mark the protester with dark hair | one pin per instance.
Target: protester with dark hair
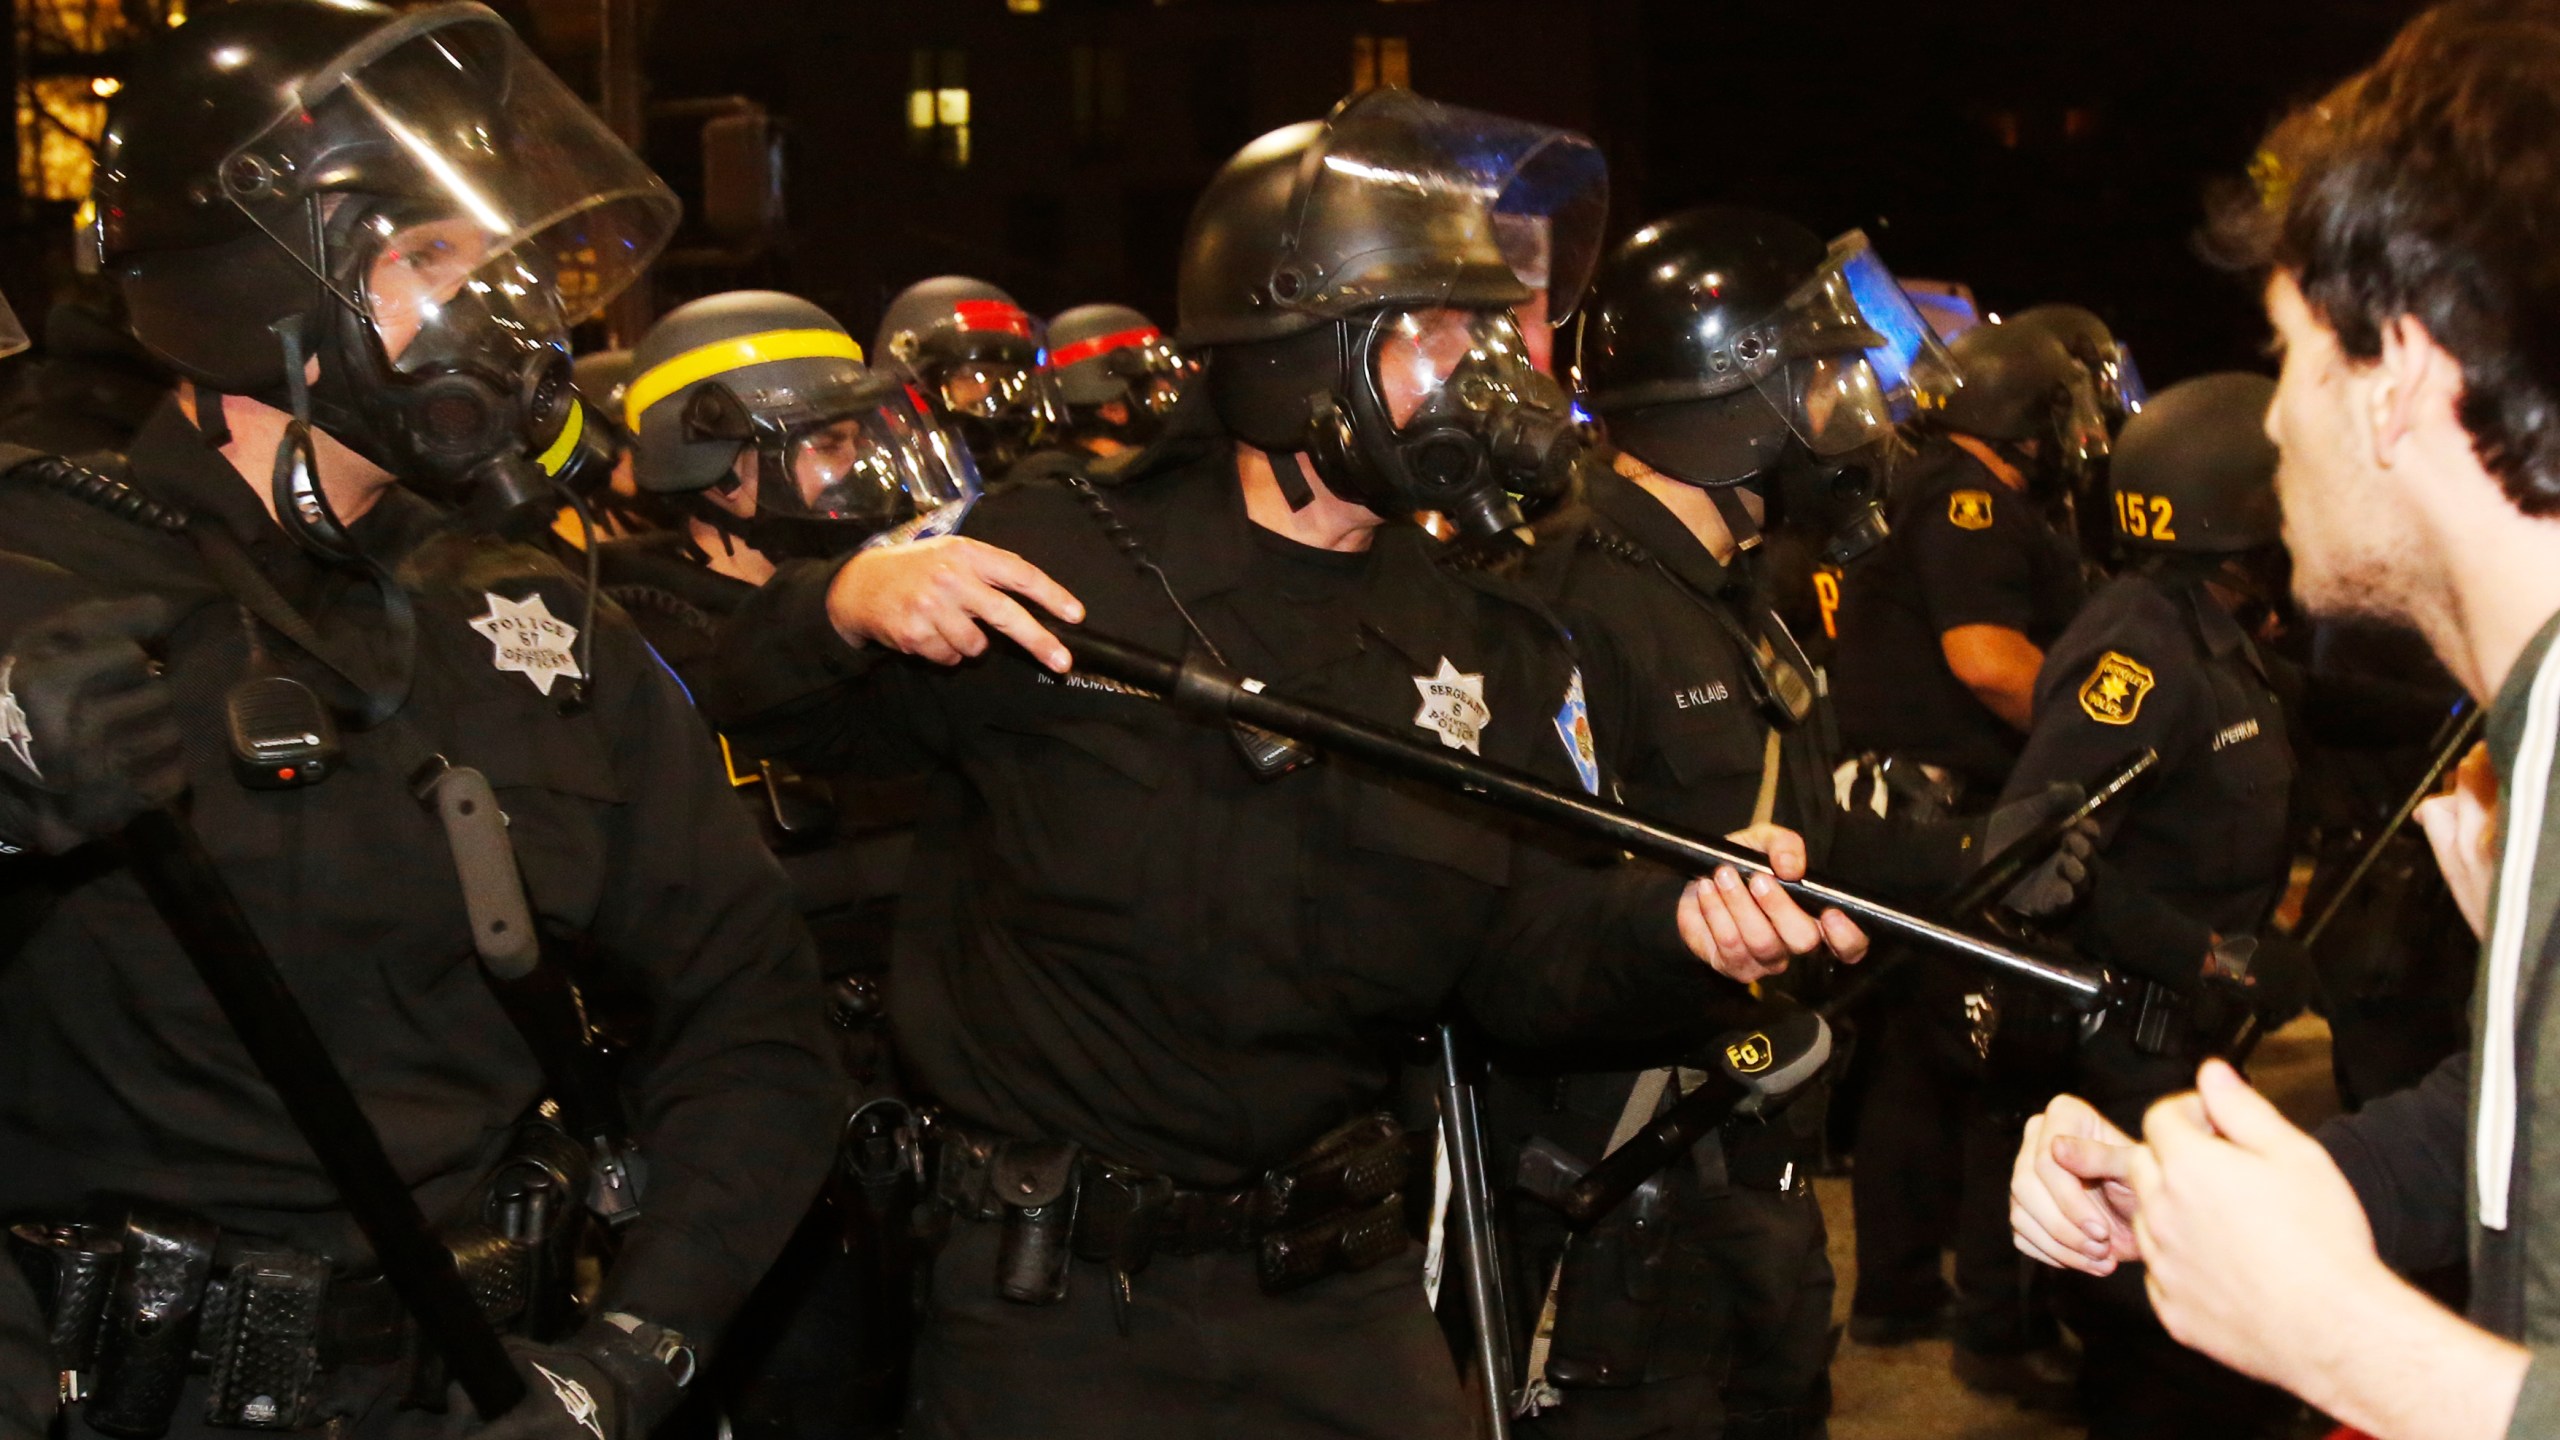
(2404, 222)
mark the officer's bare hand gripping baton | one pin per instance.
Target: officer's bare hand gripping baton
(191, 895)
(1198, 684)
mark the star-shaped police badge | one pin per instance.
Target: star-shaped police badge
(1453, 708)
(530, 640)
(14, 734)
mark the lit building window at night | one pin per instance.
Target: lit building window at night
(1023, 7)
(1379, 60)
(938, 105)
(64, 49)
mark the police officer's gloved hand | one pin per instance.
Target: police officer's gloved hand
(2054, 885)
(88, 731)
(613, 1380)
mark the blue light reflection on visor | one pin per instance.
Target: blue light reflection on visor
(1889, 313)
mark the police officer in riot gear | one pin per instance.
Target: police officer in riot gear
(756, 417)
(343, 226)
(2113, 376)
(756, 421)
(2117, 383)
(1747, 376)
(1116, 375)
(977, 354)
(1156, 966)
(1942, 629)
(2167, 656)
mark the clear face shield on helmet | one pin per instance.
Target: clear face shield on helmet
(465, 209)
(873, 458)
(1854, 360)
(1855, 356)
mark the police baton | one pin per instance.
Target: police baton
(1727, 1087)
(1200, 685)
(169, 859)
(2453, 739)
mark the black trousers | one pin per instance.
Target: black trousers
(1936, 1142)
(1207, 1355)
(1742, 1346)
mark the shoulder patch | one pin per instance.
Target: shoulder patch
(1969, 509)
(1573, 726)
(2112, 695)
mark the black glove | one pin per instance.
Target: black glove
(2054, 884)
(88, 731)
(604, 1383)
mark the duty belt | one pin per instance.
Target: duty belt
(1339, 1207)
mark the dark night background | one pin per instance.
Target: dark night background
(2036, 151)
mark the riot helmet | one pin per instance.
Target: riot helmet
(841, 452)
(1727, 347)
(2109, 361)
(2017, 384)
(408, 199)
(978, 356)
(601, 377)
(1350, 281)
(2195, 471)
(1115, 373)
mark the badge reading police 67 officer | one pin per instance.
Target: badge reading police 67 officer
(1453, 708)
(531, 641)
(1969, 509)
(2112, 695)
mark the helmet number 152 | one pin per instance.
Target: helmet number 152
(2144, 516)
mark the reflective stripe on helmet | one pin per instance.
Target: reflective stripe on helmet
(722, 356)
(567, 444)
(1003, 315)
(1066, 355)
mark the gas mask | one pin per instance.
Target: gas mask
(839, 465)
(1441, 410)
(457, 209)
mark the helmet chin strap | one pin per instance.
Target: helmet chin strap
(1737, 516)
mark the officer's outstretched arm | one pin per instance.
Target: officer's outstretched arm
(734, 1099)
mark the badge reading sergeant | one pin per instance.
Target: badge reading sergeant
(1453, 708)
(2112, 695)
(1969, 509)
(530, 640)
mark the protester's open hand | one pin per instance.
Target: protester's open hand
(2252, 1238)
(2069, 1203)
(2462, 827)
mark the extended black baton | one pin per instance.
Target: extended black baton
(1702, 1111)
(1200, 685)
(169, 860)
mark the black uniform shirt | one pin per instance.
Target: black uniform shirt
(120, 1077)
(1965, 550)
(1663, 627)
(2201, 847)
(1116, 934)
